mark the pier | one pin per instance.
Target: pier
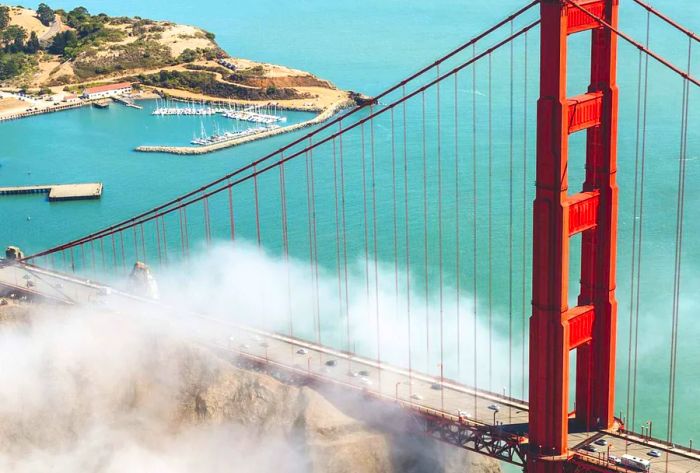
(58, 192)
(41, 111)
(128, 101)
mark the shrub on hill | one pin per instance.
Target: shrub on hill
(206, 83)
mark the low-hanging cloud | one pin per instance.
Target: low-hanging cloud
(102, 389)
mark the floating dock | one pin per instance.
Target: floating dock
(58, 192)
(128, 101)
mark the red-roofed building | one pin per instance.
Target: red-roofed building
(102, 91)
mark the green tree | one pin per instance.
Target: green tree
(13, 38)
(4, 17)
(66, 39)
(77, 16)
(12, 65)
(45, 14)
(33, 44)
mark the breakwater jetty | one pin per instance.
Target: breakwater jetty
(58, 192)
(42, 111)
(192, 150)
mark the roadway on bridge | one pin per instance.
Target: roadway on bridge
(414, 390)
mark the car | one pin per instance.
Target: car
(366, 381)
(363, 373)
(614, 459)
(331, 363)
(464, 414)
(654, 453)
(302, 351)
(590, 448)
(601, 442)
(436, 386)
(494, 407)
(416, 397)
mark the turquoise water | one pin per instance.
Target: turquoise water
(367, 46)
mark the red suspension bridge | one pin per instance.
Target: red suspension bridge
(419, 205)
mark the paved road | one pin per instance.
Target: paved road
(53, 30)
(414, 389)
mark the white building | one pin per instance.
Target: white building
(103, 91)
(71, 98)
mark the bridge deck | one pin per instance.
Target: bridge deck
(281, 353)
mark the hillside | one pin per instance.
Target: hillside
(51, 54)
(75, 46)
(106, 393)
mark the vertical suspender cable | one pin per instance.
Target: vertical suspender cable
(345, 241)
(510, 233)
(337, 231)
(143, 244)
(187, 234)
(92, 249)
(523, 276)
(680, 209)
(136, 244)
(457, 229)
(425, 238)
(121, 241)
(439, 180)
(376, 256)
(285, 244)
(408, 244)
(474, 235)
(231, 219)
(207, 226)
(364, 214)
(165, 240)
(396, 235)
(102, 254)
(311, 244)
(160, 257)
(315, 240)
(645, 96)
(257, 206)
(635, 225)
(114, 252)
(490, 225)
(182, 232)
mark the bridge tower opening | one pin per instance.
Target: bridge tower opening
(590, 327)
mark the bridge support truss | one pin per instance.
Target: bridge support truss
(589, 328)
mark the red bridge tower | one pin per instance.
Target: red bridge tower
(589, 327)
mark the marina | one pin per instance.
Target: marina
(219, 137)
(58, 192)
(255, 114)
(265, 115)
